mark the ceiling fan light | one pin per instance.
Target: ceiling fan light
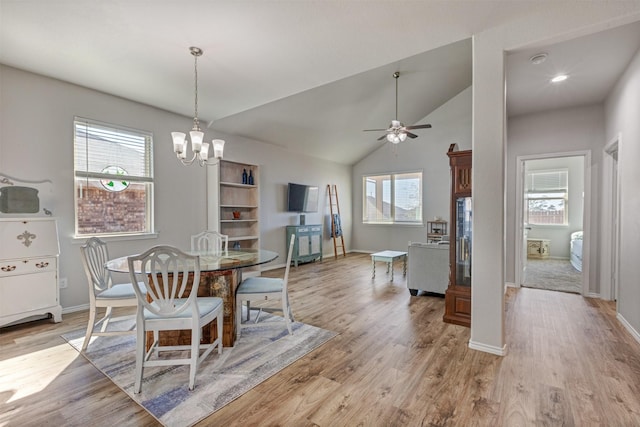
(393, 138)
(402, 136)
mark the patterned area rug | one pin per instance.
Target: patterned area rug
(553, 275)
(259, 353)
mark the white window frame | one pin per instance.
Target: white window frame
(130, 137)
(392, 217)
(552, 184)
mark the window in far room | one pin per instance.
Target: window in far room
(113, 179)
(392, 198)
(547, 197)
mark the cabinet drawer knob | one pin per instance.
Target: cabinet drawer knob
(8, 268)
(42, 264)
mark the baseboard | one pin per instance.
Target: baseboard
(324, 256)
(592, 295)
(332, 255)
(73, 309)
(508, 285)
(628, 327)
(498, 351)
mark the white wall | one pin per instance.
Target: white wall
(451, 124)
(622, 112)
(36, 142)
(558, 131)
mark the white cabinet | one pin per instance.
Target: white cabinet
(29, 269)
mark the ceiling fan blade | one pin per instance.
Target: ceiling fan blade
(382, 137)
(419, 127)
(411, 135)
(375, 130)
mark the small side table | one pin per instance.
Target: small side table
(538, 248)
(389, 257)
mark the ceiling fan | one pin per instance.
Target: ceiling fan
(397, 132)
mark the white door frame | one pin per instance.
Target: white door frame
(586, 213)
(610, 235)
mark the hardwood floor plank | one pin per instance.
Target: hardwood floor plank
(394, 363)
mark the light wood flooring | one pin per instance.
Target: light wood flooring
(394, 363)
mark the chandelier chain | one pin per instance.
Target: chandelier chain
(196, 122)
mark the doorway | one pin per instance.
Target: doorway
(553, 211)
(610, 230)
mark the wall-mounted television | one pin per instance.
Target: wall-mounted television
(302, 198)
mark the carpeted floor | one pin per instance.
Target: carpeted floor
(554, 275)
(260, 353)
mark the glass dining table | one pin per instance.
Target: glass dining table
(220, 275)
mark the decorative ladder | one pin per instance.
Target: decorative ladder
(336, 226)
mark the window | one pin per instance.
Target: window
(392, 198)
(546, 197)
(113, 179)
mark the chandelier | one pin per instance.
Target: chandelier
(200, 149)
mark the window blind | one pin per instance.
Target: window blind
(548, 181)
(100, 147)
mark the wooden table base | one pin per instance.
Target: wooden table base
(212, 284)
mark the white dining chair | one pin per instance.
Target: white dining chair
(165, 272)
(210, 241)
(103, 293)
(265, 289)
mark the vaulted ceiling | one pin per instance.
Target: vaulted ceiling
(308, 76)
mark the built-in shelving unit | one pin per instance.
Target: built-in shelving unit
(237, 211)
(240, 198)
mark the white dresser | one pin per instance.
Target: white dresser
(29, 269)
(28, 251)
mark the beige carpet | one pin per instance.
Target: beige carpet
(553, 275)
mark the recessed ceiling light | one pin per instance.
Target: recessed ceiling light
(559, 78)
(538, 58)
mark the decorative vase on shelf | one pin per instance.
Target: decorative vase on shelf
(245, 179)
(250, 177)
(236, 245)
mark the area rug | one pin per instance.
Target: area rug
(553, 275)
(260, 353)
